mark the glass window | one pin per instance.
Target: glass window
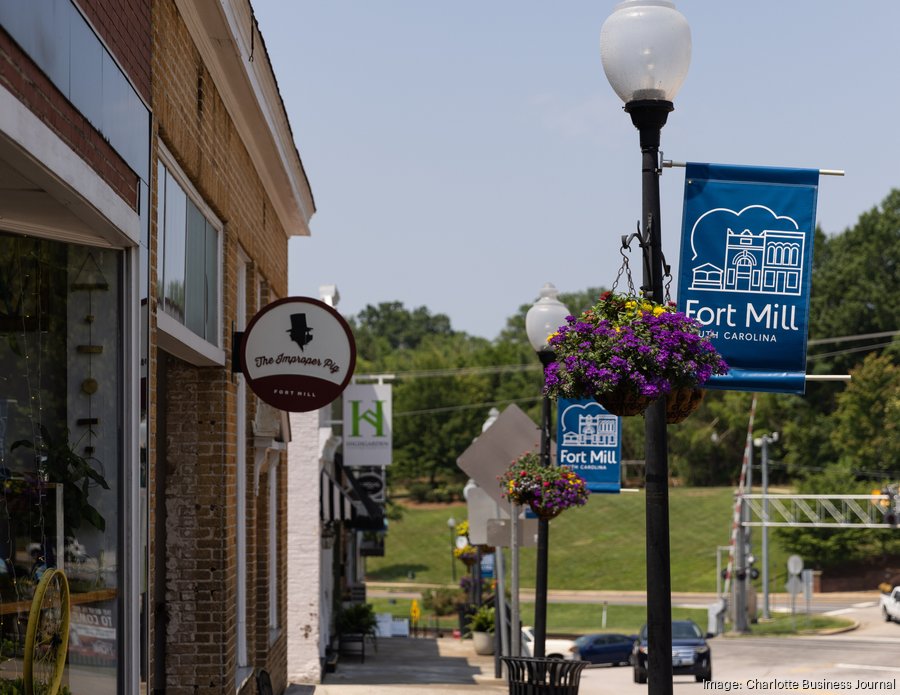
(188, 244)
(60, 457)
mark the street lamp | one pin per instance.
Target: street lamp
(645, 47)
(763, 443)
(451, 524)
(543, 318)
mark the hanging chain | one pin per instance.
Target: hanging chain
(625, 267)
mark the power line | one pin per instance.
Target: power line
(452, 408)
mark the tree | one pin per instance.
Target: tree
(856, 280)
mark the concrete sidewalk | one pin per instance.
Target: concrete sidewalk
(406, 666)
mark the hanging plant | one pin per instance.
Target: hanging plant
(548, 490)
(627, 351)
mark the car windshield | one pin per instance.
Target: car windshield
(685, 631)
(680, 630)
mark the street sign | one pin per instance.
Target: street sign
(512, 434)
(795, 564)
(794, 585)
(498, 532)
(481, 508)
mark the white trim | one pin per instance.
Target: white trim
(171, 165)
(242, 656)
(50, 162)
(272, 546)
(133, 541)
(250, 93)
(177, 339)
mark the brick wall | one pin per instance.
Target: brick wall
(124, 26)
(201, 566)
(33, 88)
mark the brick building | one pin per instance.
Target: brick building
(148, 188)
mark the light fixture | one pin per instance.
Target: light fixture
(544, 317)
(645, 48)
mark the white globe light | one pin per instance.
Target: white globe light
(545, 317)
(645, 47)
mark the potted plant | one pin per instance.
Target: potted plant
(548, 490)
(627, 351)
(481, 627)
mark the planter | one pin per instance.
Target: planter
(623, 402)
(483, 642)
(543, 513)
(680, 403)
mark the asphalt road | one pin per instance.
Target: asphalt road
(861, 660)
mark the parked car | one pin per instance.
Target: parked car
(890, 605)
(690, 652)
(553, 648)
(605, 648)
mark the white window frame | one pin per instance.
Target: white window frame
(244, 669)
(174, 337)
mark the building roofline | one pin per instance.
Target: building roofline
(227, 36)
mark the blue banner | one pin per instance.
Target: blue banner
(746, 267)
(589, 441)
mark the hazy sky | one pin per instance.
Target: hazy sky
(461, 154)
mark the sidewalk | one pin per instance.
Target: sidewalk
(403, 665)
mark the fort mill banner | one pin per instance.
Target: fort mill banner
(746, 261)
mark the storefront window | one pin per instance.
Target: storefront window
(61, 459)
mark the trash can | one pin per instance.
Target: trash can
(536, 676)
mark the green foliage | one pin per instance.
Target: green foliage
(599, 546)
(356, 619)
(443, 600)
(61, 464)
(855, 284)
(482, 620)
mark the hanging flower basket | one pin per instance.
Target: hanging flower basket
(680, 403)
(623, 402)
(626, 352)
(548, 490)
(468, 555)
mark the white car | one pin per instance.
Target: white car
(553, 648)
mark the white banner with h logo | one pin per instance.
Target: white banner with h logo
(367, 425)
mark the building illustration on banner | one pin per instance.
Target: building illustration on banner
(769, 262)
(590, 429)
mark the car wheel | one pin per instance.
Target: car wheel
(554, 656)
(640, 676)
(887, 616)
(704, 676)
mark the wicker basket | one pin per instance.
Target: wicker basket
(623, 402)
(682, 402)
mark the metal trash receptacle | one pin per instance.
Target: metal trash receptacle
(536, 676)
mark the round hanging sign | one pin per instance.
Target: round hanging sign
(298, 354)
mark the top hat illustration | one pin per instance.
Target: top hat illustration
(300, 332)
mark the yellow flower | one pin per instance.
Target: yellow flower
(657, 310)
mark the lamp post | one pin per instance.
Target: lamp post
(451, 524)
(543, 318)
(645, 47)
(763, 444)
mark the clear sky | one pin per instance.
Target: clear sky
(463, 153)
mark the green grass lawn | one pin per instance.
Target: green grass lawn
(562, 618)
(599, 546)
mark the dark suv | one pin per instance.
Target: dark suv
(690, 652)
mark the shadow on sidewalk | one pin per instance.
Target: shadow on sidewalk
(406, 661)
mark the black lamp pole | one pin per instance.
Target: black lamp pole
(649, 116)
(543, 539)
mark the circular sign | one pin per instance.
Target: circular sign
(795, 564)
(298, 354)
